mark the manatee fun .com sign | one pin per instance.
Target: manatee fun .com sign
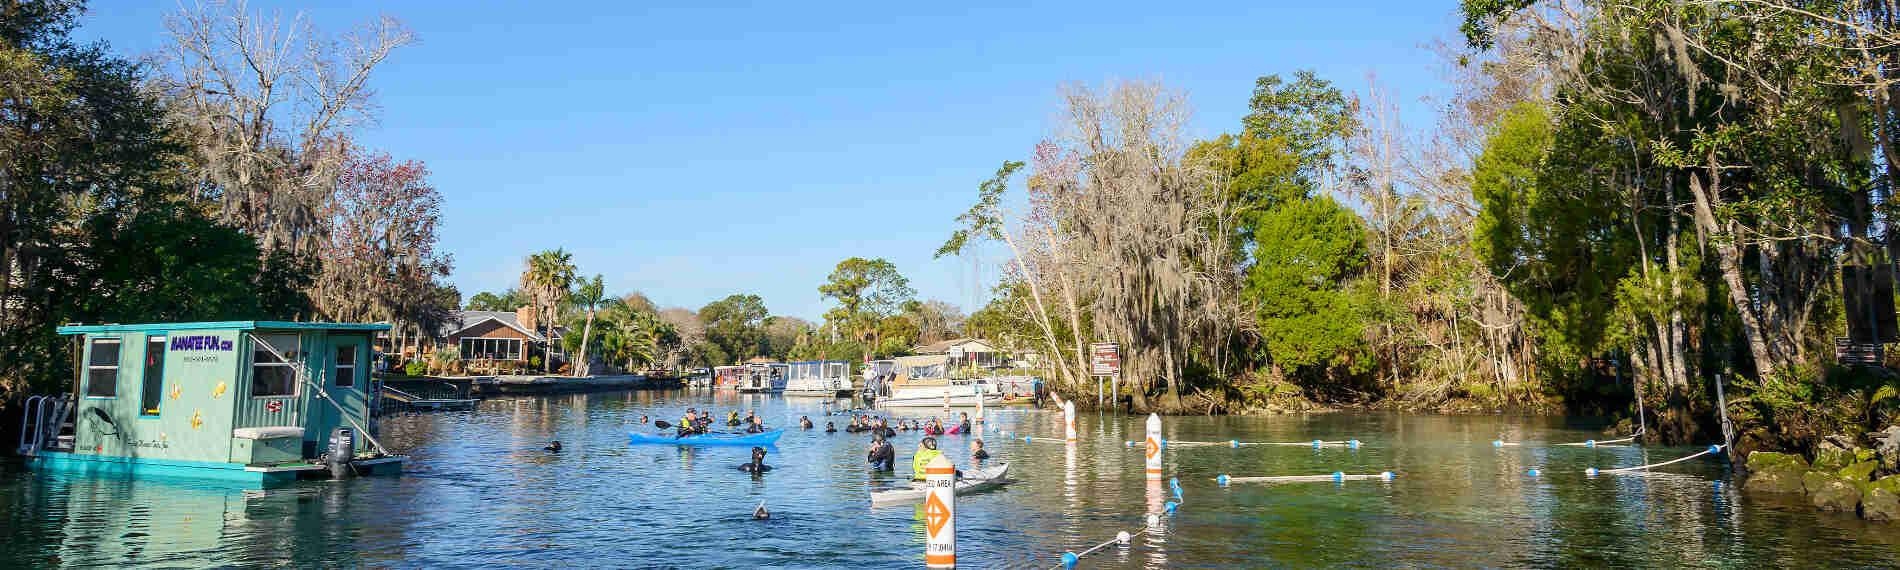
(200, 342)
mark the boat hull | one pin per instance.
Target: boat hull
(973, 481)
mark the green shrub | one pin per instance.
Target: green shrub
(415, 368)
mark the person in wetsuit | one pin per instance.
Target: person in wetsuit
(831, 427)
(881, 455)
(964, 424)
(926, 451)
(757, 466)
(977, 452)
(804, 422)
(554, 446)
(755, 425)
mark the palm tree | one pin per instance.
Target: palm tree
(588, 295)
(549, 275)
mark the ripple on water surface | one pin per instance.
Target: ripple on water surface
(480, 491)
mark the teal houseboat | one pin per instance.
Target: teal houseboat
(250, 401)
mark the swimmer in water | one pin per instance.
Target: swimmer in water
(554, 446)
(757, 466)
(804, 422)
(831, 427)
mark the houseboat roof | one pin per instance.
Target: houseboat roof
(220, 325)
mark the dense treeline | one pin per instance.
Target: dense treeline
(217, 182)
(876, 316)
(1623, 199)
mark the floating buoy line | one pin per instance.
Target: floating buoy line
(1336, 476)
(1585, 443)
(1711, 450)
(1069, 559)
(1232, 443)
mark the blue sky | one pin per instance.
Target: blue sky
(694, 151)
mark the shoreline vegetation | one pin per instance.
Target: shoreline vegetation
(1621, 201)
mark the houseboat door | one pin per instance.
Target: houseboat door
(345, 379)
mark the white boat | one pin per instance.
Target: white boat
(826, 378)
(763, 377)
(922, 382)
(972, 481)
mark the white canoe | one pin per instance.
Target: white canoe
(973, 480)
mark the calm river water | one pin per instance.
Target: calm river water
(480, 491)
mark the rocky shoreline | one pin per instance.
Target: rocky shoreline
(1842, 476)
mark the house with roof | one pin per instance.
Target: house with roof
(966, 351)
(495, 336)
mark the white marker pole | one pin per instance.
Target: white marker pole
(946, 403)
(979, 403)
(1154, 447)
(940, 514)
(1068, 421)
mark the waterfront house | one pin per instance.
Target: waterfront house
(491, 339)
(248, 401)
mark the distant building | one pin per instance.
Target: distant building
(493, 335)
(966, 351)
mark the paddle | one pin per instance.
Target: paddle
(661, 424)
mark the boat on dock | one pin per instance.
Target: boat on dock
(253, 402)
(763, 377)
(823, 378)
(925, 381)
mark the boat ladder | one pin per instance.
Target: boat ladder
(43, 420)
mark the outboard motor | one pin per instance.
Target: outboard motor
(342, 451)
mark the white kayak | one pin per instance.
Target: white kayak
(973, 480)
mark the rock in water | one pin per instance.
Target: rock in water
(1832, 455)
(1882, 501)
(1772, 472)
(1859, 471)
(1831, 493)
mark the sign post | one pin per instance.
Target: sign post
(940, 514)
(1105, 359)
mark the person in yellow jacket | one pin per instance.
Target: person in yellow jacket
(926, 451)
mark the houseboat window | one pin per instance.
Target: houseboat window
(927, 371)
(102, 369)
(154, 375)
(345, 366)
(272, 376)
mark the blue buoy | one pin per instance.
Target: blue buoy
(1591, 472)
(1174, 482)
(1317, 444)
(1714, 449)
(1222, 480)
(1589, 443)
(1026, 439)
(1497, 443)
(1233, 443)
(1177, 495)
(1163, 442)
(1386, 475)
(1339, 475)
(1069, 559)
(1170, 506)
(1352, 444)
(1533, 472)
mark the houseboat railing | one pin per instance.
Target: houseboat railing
(303, 373)
(40, 413)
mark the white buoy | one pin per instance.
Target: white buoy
(940, 514)
(1154, 447)
(1068, 421)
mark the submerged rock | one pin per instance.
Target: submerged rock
(1880, 505)
(1830, 492)
(1772, 472)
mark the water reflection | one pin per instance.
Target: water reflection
(480, 491)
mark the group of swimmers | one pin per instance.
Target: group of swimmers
(696, 422)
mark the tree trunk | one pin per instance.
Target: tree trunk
(587, 331)
(1728, 254)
